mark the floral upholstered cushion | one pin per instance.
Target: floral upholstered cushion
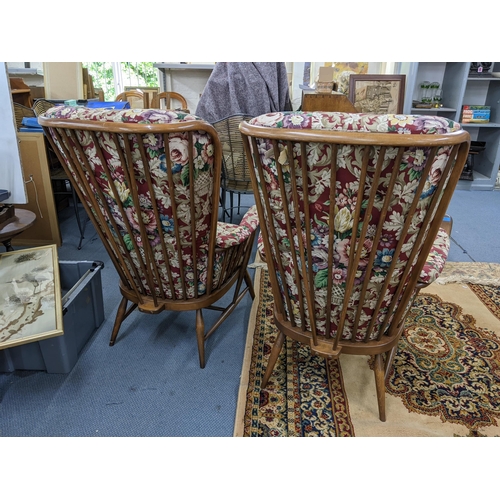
(348, 194)
(166, 185)
(358, 122)
(230, 234)
(434, 264)
(437, 258)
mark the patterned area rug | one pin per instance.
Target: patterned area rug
(445, 380)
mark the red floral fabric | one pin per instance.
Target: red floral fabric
(117, 195)
(347, 195)
(434, 264)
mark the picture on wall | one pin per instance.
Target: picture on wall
(380, 94)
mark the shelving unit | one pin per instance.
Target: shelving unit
(188, 79)
(460, 89)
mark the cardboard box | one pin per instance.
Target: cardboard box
(475, 114)
(325, 74)
(83, 313)
(325, 83)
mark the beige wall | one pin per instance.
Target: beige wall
(63, 80)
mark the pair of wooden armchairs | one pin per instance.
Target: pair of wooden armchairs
(350, 207)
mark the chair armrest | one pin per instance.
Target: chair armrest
(436, 259)
(229, 235)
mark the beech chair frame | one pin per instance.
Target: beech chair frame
(169, 96)
(139, 281)
(133, 94)
(379, 340)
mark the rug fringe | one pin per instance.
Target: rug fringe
(476, 273)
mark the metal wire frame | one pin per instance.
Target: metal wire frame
(235, 173)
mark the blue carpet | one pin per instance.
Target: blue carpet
(476, 219)
(150, 383)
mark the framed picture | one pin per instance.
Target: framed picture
(30, 294)
(379, 94)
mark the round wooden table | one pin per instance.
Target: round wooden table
(25, 219)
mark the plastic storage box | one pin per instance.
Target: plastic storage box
(83, 313)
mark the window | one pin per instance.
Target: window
(113, 77)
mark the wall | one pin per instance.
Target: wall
(11, 172)
(63, 80)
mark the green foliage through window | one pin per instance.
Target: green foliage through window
(140, 74)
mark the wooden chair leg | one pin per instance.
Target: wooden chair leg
(273, 357)
(389, 360)
(120, 316)
(249, 283)
(200, 336)
(380, 384)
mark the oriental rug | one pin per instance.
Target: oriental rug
(445, 380)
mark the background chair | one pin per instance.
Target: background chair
(21, 112)
(350, 220)
(169, 98)
(136, 98)
(235, 172)
(150, 93)
(151, 190)
(42, 105)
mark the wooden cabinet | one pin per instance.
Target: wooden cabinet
(461, 88)
(45, 230)
(334, 101)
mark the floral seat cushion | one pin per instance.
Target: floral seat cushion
(357, 122)
(230, 234)
(433, 265)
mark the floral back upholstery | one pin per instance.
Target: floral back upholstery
(141, 189)
(286, 185)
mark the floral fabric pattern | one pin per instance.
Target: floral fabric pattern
(436, 260)
(170, 174)
(348, 193)
(433, 267)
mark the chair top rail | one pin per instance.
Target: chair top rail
(354, 137)
(128, 128)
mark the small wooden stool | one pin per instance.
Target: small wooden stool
(24, 220)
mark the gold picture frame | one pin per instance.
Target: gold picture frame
(30, 293)
(378, 94)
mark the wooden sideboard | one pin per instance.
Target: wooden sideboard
(315, 101)
(45, 230)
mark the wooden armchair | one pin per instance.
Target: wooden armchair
(350, 207)
(150, 182)
(137, 99)
(169, 97)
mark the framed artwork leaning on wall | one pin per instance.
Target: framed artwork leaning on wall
(380, 94)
